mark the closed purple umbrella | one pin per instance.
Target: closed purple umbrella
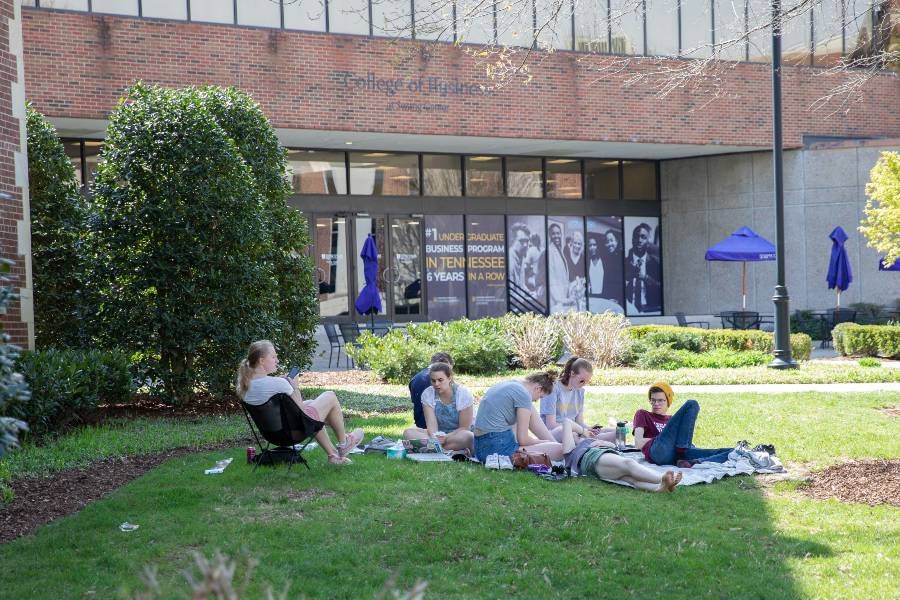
(369, 300)
(839, 272)
(743, 245)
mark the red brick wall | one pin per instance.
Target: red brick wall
(13, 211)
(77, 65)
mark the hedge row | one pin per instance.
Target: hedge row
(852, 339)
(695, 339)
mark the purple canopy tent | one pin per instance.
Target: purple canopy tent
(743, 245)
(839, 272)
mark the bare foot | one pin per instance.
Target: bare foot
(670, 480)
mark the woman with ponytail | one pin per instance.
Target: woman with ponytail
(255, 386)
(565, 402)
(506, 419)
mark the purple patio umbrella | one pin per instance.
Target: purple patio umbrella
(893, 267)
(839, 272)
(743, 245)
(369, 300)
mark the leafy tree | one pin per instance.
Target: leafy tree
(182, 239)
(882, 223)
(13, 388)
(62, 303)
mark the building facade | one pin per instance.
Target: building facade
(578, 190)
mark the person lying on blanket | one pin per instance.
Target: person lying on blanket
(591, 456)
(447, 407)
(668, 439)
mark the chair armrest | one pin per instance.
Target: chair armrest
(700, 324)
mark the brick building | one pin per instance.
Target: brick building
(578, 190)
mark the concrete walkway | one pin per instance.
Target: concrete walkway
(763, 388)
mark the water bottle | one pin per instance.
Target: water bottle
(621, 432)
(437, 444)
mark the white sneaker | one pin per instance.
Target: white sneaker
(492, 461)
(505, 463)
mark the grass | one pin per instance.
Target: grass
(342, 532)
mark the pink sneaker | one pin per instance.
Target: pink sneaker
(336, 459)
(353, 440)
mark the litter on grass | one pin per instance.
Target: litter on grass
(219, 468)
(126, 526)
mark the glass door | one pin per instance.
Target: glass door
(332, 277)
(406, 268)
(365, 226)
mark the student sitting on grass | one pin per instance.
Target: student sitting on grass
(566, 400)
(668, 440)
(448, 411)
(420, 382)
(505, 417)
(590, 456)
(255, 386)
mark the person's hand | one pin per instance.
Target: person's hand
(441, 438)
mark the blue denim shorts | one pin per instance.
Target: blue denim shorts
(495, 442)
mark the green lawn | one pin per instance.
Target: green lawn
(342, 532)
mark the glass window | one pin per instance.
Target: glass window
(212, 11)
(443, 174)
(601, 179)
(515, 23)
(730, 43)
(592, 26)
(445, 267)
(406, 260)
(638, 180)
(475, 21)
(627, 20)
(317, 172)
(759, 24)
(165, 9)
(556, 22)
(796, 35)
(308, 15)
(484, 176)
(91, 157)
(527, 263)
(259, 14)
(73, 151)
(696, 28)
(859, 28)
(563, 178)
(384, 174)
(27, 2)
(523, 177)
(827, 29)
(391, 18)
(434, 20)
(65, 4)
(331, 266)
(115, 7)
(348, 16)
(662, 27)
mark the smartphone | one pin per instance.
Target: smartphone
(293, 372)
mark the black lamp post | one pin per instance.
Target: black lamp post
(782, 350)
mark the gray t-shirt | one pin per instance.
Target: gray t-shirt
(497, 410)
(562, 403)
(263, 388)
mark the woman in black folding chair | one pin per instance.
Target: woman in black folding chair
(255, 386)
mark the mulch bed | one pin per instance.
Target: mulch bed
(39, 500)
(327, 378)
(869, 482)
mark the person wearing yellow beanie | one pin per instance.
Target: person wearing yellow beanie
(668, 439)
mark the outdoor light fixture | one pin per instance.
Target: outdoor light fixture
(482, 158)
(377, 154)
(560, 161)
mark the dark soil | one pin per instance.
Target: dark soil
(892, 411)
(869, 482)
(144, 405)
(327, 378)
(39, 500)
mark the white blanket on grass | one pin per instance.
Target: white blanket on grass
(707, 472)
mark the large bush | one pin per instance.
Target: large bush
(62, 299)
(395, 357)
(715, 339)
(13, 389)
(195, 252)
(67, 386)
(600, 338)
(668, 358)
(851, 339)
(881, 225)
(534, 339)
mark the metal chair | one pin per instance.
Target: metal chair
(833, 318)
(335, 340)
(683, 322)
(350, 332)
(281, 424)
(740, 319)
(382, 328)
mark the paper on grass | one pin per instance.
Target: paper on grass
(220, 467)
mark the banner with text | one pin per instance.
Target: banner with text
(445, 267)
(486, 248)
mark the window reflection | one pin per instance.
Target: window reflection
(164, 9)
(662, 27)
(827, 27)
(523, 177)
(391, 18)
(259, 14)
(859, 28)
(384, 174)
(475, 21)
(307, 15)
(601, 179)
(91, 158)
(65, 4)
(592, 26)
(696, 28)
(627, 21)
(114, 7)
(557, 24)
(638, 180)
(796, 35)
(484, 176)
(212, 11)
(317, 172)
(515, 23)
(406, 259)
(443, 174)
(563, 178)
(73, 151)
(348, 16)
(759, 23)
(331, 265)
(434, 20)
(729, 19)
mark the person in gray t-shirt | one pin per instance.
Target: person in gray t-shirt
(506, 416)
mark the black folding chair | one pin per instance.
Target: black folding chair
(683, 322)
(740, 319)
(281, 423)
(334, 339)
(350, 333)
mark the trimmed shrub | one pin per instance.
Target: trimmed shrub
(62, 300)
(851, 339)
(667, 358)
(801, 346)
(394, 357)
(736, 340)
(13, 389)
(805, 321)
(67, 386)
(535, 340)
(478, 347)
(600, 338)
(868, 361)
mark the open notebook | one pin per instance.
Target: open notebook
(428, 457)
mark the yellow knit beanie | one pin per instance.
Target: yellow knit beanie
(666, 389)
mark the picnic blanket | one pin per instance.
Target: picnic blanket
(707, 472)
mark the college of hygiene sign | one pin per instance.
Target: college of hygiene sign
(406, 94)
